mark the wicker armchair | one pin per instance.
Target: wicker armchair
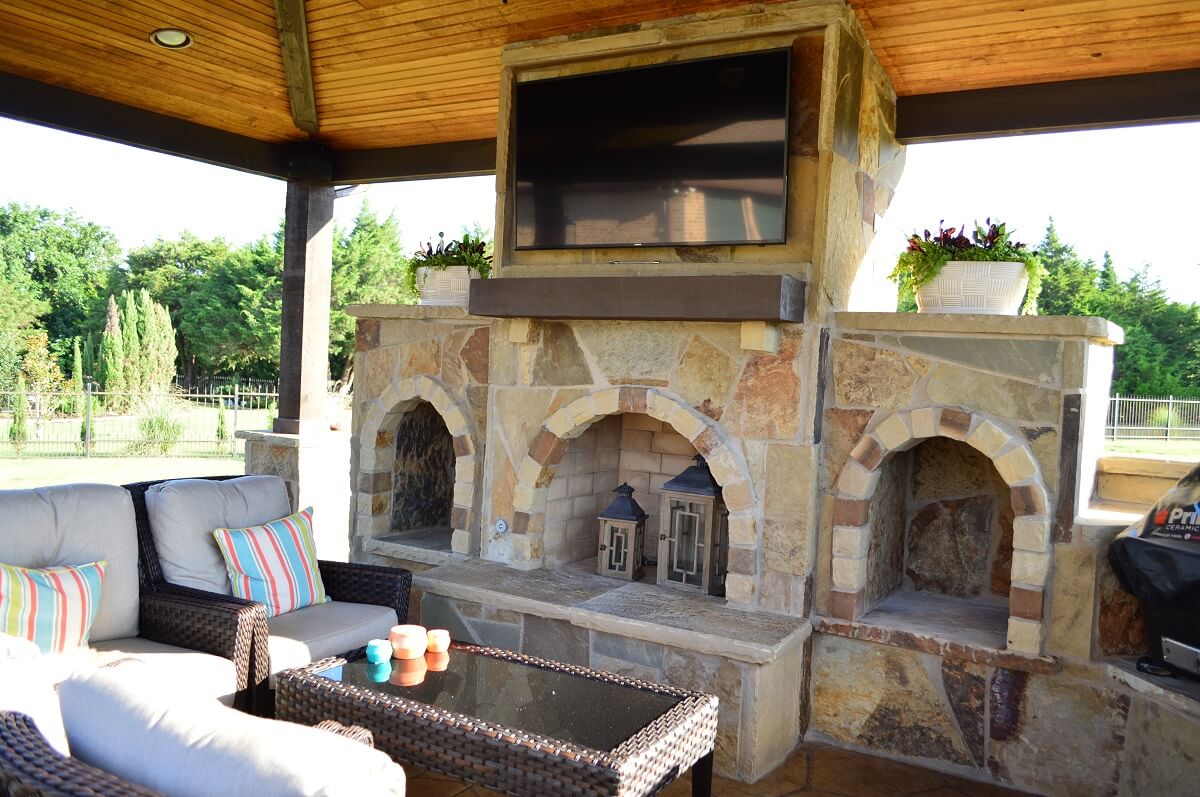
(347, 582)
(30, 767)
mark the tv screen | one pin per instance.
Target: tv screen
(688, 153)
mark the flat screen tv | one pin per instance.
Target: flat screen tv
(686, 153)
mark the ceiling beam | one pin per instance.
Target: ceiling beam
(63, 109)
(1092, 104)
(297, 63)
(421, 162)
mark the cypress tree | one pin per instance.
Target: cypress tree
(166, 353)
(77, 374)
(134, 379)
(89, 358)
(17, 433)
(112, 359)
(149, 336)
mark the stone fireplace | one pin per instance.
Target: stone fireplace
(906, 571)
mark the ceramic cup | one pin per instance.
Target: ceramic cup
(408, 641)
(439, 640)
(379, 650)
(409, 672)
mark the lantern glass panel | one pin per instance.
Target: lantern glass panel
(618, 547)
(686, 555)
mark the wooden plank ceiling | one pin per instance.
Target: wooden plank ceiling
(394, 73)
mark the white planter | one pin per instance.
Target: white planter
(967, 286)
(445, 287)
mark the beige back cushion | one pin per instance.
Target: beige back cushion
(183, 514)
(75, 524)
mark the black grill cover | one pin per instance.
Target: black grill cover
(1158, 560)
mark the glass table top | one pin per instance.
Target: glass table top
(594, 714)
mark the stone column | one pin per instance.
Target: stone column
(304, 324)
(301, 448)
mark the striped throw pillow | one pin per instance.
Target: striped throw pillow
(54, 606)
(274, 564)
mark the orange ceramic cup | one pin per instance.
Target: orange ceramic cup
(439, 640)
(438, 662)
(408, 641)
(409, 672)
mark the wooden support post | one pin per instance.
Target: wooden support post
(304, 323)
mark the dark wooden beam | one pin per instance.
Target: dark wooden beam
(75, 112)
(421, 162)
(1096, 103)
(697, 298)
(297, 63)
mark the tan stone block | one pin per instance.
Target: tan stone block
(607, 402)
(687, 422)
(527, 498)
(924, 422)
(954, 423)
(462, 542)
(1017, 465)
(743, 529)
(988, 438)
(636, 440)
(642, 461)
(440, 401)
(849, 574)
(704, 376)
(856, 481)
(1024, 636)
(659, 406)
(866, 376)
(894, 432)
(788, 481)
(868, 452)
(1031, 533)
(456, 422)
(1030, 568)
(737, 496)
(583, 411)
(530, 471)
(739, 588)
(522, 330)
(720, 463)
(850, 542)
(760, 336)
(561, 424)
(1072, 610)
(995, 395)
(674, 465)
(464, 493)
(639, 420)
(672, 443)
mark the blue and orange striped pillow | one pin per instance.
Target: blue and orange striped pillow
(274, 564)
(54, 606)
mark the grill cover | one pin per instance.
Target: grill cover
(1158, 560)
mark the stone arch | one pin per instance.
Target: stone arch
(725, 460)
(1012, 457)
(377, 455)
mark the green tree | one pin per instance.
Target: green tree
(20, 309)
(112, 359)
(1069, 287)
(77, 376)
(222, 427)
(89, 358)
(69, 260)
(18, 433)
(131, 344)
(368, 267)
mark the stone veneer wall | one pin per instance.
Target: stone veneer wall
(580, 489)
(1058, 723)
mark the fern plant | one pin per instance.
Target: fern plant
(926, 256)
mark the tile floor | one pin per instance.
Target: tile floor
(812, 771)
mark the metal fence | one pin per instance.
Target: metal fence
(94, 423)
(1153, 418)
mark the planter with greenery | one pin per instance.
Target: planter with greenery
(987, 273)
(442, 275)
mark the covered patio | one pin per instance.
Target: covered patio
(836, 440)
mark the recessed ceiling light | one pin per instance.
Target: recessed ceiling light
(171, 38)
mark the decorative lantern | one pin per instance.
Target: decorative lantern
(693, 539)
(622, 535)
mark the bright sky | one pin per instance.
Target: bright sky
(1129, 191)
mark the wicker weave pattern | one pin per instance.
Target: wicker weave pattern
(508, 759)
(964, 286)
(354, 583)
(30, 767)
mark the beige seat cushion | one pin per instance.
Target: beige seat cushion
(327, 629)
(123, 720)
(76, 524)
(183, 514)
(26, 687)
(202, 675)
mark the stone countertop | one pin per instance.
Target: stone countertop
(1178, 692)
(416, 312)
(1098, 330)
(642, 611)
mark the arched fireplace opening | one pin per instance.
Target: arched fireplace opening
(422, 480)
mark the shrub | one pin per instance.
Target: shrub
(18, 434)
(159, 432)
(222, 429)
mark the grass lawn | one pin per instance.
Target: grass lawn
(1188, 450)
(38, 472)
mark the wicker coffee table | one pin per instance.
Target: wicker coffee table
(516, 724)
